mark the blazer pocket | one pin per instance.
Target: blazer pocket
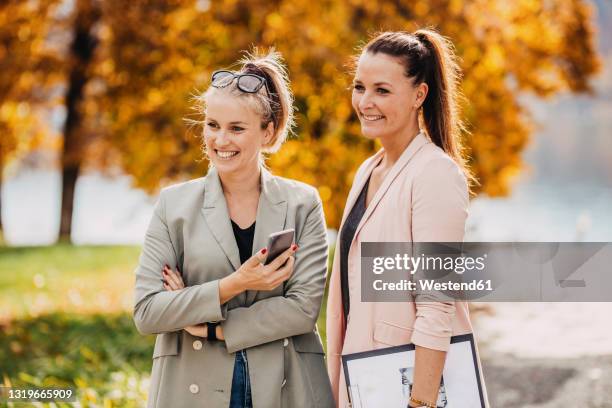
(166, 344)
(307, 343)
(392, 334)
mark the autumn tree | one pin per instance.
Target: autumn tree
(144, 59)
(49, 56)
(506, 50)
(37, 67)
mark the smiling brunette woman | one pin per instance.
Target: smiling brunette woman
(232, 332)
(413, 190)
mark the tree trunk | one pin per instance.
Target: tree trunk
(81, 56)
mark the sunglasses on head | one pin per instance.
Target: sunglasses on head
(249, 83)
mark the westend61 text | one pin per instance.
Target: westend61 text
(428, 285)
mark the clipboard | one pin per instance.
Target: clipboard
(383, 377)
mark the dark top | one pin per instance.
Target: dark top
(240, 379)
(346, 237)
(244, 239)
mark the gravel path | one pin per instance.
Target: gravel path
(545, 355)
(547, 383)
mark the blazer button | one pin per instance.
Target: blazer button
(284, 382)
(197, 345)
(285, 342)
(193, 388)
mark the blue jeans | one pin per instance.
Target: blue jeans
(241, 386)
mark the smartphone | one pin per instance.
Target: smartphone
(279, 242)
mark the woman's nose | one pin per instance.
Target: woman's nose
(221, 138)
(365, 102)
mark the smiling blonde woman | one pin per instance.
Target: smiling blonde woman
(232, 332)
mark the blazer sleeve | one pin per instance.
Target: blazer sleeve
(439, 211)
(157, 310)
(297, 311)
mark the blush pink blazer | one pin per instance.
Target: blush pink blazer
(423, 198)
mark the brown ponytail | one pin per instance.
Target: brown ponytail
(429, 58)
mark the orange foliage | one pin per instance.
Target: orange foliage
(152, 54)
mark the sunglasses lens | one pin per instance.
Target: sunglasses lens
(249, 83)
(222, 78)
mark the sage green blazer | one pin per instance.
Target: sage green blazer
(191, 227)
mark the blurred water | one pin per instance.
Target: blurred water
(110, 211)
(107, 210)
(539, 212)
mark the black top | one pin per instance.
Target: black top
(346, 237)
(244, 239)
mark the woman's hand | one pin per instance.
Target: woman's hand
(253, 275)
(173, 281)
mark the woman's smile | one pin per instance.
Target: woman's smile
(226, 154)
(372, 118)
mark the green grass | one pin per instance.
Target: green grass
(89, 279)
(102, 356)
(65, 320)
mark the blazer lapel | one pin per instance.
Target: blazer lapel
(271, 216)
(358, 185)
(217, 217)
(415, 145)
